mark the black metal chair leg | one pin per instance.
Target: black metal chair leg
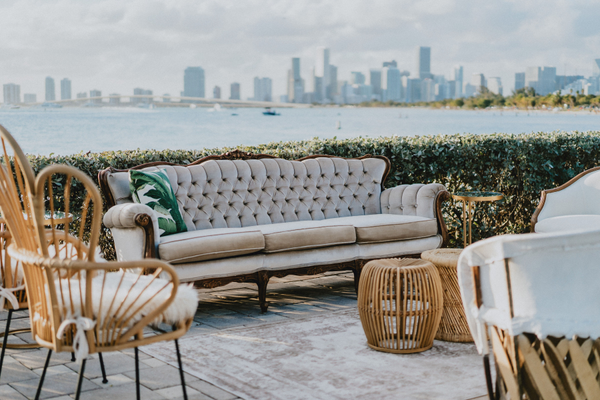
(137, 374)
(5, 340)
(180, 370)
(80, 380)
(104, 380)
(43, 376)
(488, 376)
(73, 357)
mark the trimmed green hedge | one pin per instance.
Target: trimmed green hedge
(520, 166)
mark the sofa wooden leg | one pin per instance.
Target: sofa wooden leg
(263, 280)
(357, 270)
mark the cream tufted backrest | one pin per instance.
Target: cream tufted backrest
(237, 193)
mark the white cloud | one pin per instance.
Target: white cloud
(115, 46)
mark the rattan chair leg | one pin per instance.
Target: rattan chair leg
(39, 389)
(104, 380)
(180, 370)
(80, 380)
(137, 374)
(5, 340)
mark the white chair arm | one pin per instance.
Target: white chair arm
(417, 199)
(135, 231)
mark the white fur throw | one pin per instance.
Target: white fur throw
(126, 295)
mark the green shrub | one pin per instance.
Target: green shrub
(520, 166)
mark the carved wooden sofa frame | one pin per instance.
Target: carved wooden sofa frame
(261, 278)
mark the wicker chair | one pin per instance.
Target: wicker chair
(535, 297)
(77, 304)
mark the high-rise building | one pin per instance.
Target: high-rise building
(30, 98)
(235, 91)
(427, 89)
(50, 90)
(424, 62)
(596, 68)
(193, 82)
(478, 81)
(295, 87)
(495, 85)
(96, 93)
(357, 78)
(82, 95)
(114, 99)
(541, 79)
(322, 71)
(392, 63)
(391, 84)
(563, 80)
(519, 80)
(217, 92)
(458, 82)
(65, 89)
(375, 81)
(12, 93)
(262, 89)
(332, 88)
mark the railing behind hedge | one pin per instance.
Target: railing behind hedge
(520, 166)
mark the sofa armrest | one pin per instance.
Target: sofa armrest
(135, 231)
(423, 200)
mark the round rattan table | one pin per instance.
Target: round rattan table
(400, 304)
(453, 325)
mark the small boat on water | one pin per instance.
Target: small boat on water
(268, 111)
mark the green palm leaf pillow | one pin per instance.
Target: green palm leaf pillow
(153, 189)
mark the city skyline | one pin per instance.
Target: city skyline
(119, 46)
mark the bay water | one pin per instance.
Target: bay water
(71, 130)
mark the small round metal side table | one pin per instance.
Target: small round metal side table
(469, 199)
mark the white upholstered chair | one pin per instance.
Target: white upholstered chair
(570, 207)
(536, 297)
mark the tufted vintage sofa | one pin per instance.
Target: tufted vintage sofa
(253, 216)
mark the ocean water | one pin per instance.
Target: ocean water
(72, 130)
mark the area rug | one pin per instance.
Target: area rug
(324, 357)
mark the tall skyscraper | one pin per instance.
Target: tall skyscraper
(262, 89)
(424, 62)
(50, 90)
(541, 79)
(295, 83)
(357, 78)
(478, 81)
(458, 82)
(519, 80)
(65, 89)
(375, 81)
(391, 84)
(193, 82)
(333, 86)
(235, 91)
(495, 85)
(12, 93)
(322, 71)
(217, 92)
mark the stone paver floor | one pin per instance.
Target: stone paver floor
(234, 305)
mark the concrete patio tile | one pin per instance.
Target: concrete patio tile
(125, 391)
(211, 390)
(228, 321)
(113, 380)
(131, 353)
(114, 363)
(15, 372)
(175, 392)
(57, 369)
(54, 386)
(37, 358)
(153, 362)
(161, 377)
(8, 393)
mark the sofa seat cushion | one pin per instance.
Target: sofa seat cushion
(566, 223)
(299, 235)
(378, 228)
(210, 244)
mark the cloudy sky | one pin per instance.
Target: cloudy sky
(116, 45)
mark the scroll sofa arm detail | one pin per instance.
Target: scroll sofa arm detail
(135, 231)
(423, 200)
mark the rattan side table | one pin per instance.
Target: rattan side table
(453, 325)
(400, 304)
